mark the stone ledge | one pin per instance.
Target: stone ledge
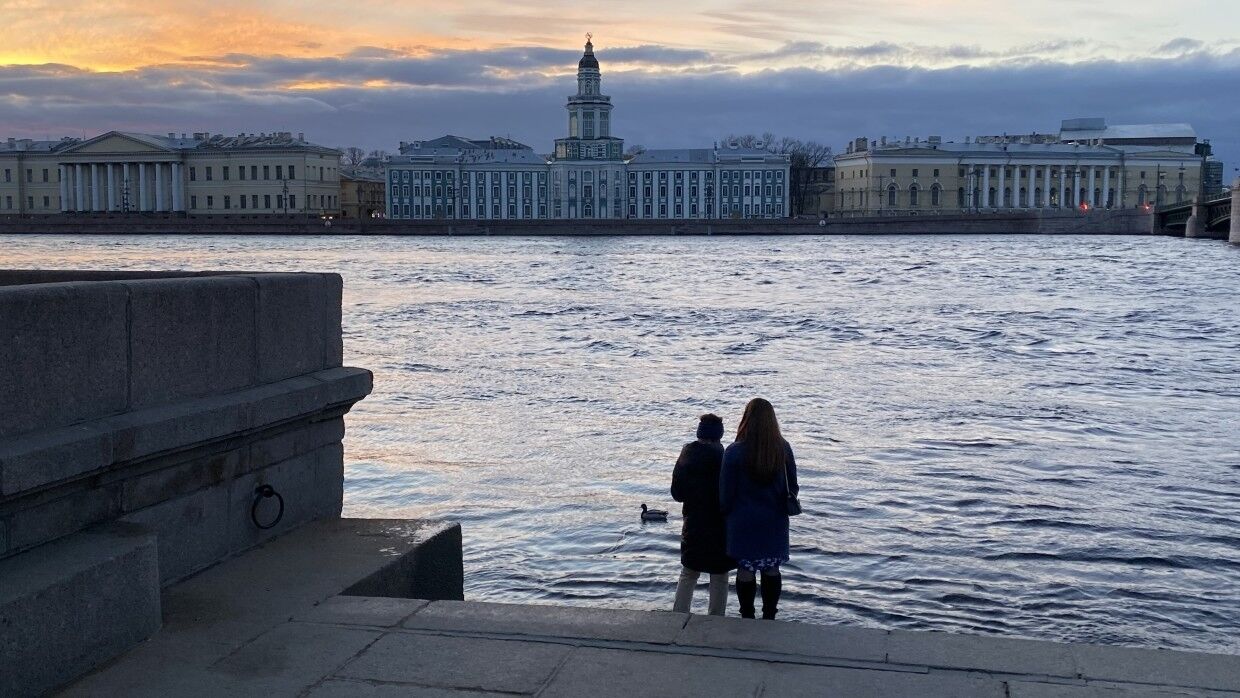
(71, 605)
(44, 458)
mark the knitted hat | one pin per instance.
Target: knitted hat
(710, 427)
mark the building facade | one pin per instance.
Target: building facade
(587, 176)
(361, 193)
(1086, 164)
(120, 172)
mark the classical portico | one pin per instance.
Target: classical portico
(119, 172)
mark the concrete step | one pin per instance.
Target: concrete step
(71, 605)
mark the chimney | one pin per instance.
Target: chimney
(172, 135)
(301, 136)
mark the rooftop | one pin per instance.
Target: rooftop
(277, 140)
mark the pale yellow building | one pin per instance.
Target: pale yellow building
(1086, 163)
(120, 172)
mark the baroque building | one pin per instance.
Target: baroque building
(121, 172)
(586, 176)
(1087, 164)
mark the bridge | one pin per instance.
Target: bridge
(1213, 218)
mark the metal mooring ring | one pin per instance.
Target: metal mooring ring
(266, 492)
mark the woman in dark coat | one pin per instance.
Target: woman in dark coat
(695, 482)
(757, 475)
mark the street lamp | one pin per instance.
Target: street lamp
(1158, 177)
(284, 189)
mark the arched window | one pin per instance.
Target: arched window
(1007, 197)
(990, 198)
(1142, 195)
(891, 195)
(1161, 195)
(960, 197)
(912, 196)
(936, 195)
(1180, 191)
(1023, 197)
(1037, 196)
(1110, 202)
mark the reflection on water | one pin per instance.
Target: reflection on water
(1022, 435)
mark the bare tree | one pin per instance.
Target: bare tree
(634, 150)
(352, 156)
(380, 154)
(804, 157)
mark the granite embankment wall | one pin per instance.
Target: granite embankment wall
(1096, 222)
(140, 414)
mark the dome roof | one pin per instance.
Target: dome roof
(588, 60)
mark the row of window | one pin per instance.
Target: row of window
(316, 201)
(1008, 171)
(420, 211)
(8, 175)
(47, 202)
(225, 172)
(250, 202)
(854, 198)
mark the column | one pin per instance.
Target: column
(95, 204)
(1092, 179)
(969, 183)
(144, 201)
(1046, 186)
(159, 186)
(177, 196)
(111, 177)
(79, 181)
(986, 186)
(1106, 186)
(999, 203)
(62, 171)
(1076, 185)
(1031, 183)
(1119, 189)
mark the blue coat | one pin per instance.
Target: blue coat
(757, 514)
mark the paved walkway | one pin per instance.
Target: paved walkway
(267, 625)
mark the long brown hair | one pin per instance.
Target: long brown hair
(764, 445)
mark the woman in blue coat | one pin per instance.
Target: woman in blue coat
(757, 476)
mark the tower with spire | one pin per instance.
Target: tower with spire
(589, 116)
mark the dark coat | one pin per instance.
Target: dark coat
(695, 481)
(756, 513)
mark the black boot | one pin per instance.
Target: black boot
(771, 586)
(745, 593)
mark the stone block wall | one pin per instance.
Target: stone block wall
(166, 400)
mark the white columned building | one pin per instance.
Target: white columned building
(587, 176)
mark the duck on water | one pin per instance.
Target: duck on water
(649, 514)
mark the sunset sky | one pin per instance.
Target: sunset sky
(373, 73)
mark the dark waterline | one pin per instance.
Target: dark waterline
(1032, 436)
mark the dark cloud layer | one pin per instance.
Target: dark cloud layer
(666, 97)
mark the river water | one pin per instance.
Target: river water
(1032, 436)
